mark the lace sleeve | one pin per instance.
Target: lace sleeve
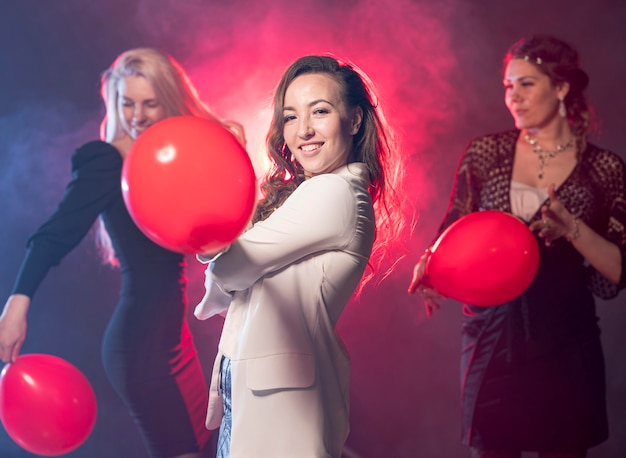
(600, 286)
(463, 198)
(482, 176)
(613, 173)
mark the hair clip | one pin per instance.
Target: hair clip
(536, 60)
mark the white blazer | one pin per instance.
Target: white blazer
(285, 283)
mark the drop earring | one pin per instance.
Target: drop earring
(562, 109)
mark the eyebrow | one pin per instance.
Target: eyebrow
(504, 80)
(130, 99)
(313, 103)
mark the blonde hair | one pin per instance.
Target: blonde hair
(172, 87)
(174, 91)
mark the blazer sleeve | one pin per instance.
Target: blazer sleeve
(215, 300)
(319, 216)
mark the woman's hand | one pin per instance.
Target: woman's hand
(419, 284)
(237, 130)
(556, 221)
(13, 327)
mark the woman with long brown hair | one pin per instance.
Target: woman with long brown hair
(331, 202)
(532, 369)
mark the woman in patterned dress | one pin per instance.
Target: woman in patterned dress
(532, 369)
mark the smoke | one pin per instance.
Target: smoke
(237, 51)
(34, 165)
(437, 68)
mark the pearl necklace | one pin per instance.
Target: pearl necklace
(545, 155)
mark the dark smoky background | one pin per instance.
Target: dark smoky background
(437, 66)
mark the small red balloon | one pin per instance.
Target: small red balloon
(485, 258)
(189, 185)
(47, 405)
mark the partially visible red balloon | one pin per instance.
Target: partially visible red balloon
(485, 258)
(47, 405)
(189, 185)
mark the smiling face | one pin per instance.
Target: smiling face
(137, 104)
(318, 125)
(530, 96)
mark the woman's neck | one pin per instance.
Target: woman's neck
(123, 144)
(550, 136)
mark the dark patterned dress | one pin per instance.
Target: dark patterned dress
(148, 351)
(532, 370)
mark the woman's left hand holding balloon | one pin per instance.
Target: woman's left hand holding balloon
(13, 327)
(420, 284)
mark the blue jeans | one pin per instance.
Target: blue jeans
(223, 440)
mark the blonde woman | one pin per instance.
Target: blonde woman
(148, 351)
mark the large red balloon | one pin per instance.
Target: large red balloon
(189, 185)
(47, 406)
(485, 258)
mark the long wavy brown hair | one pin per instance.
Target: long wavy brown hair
(375, 145)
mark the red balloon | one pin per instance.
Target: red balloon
(47, 406)
(485, 258)
(189, 185)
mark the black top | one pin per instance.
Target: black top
(147, 347)
(95, 189)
